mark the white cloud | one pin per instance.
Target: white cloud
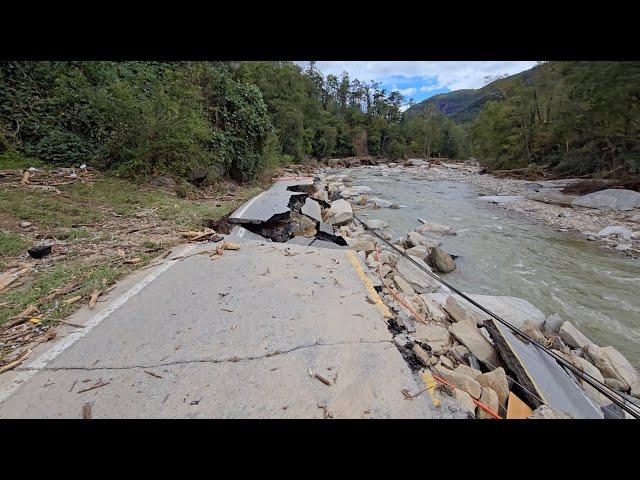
(450, 75)
(408, 91)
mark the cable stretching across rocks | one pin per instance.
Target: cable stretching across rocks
(611, 394)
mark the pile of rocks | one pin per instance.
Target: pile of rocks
(441, 336)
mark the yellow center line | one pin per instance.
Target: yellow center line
(386, 313)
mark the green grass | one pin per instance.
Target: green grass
(10, 160)
(11, 244)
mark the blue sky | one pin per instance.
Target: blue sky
(420, 80)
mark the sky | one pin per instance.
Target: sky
(420, 80)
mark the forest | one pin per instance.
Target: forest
(238, 119)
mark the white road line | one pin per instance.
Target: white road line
(47, 356)
(247, 205)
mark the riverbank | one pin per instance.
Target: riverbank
(544, 201)
(441, 336)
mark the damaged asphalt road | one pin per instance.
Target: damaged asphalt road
(245, 336)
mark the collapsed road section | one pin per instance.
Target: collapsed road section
(290, 211)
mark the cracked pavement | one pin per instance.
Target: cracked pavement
(235, 337)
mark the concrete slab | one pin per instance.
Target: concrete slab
(546, 380)
(231, 338)
(269, 203)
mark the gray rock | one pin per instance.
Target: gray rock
(545, 412)
(432, 309)
(321, 194)
(166, 181)
(553, 323)
(612, 364)
(468, 371)
(403, 285)
(611, 199)
(446, 362)
(496, 380)
(381, 202)
(616, 230)
(389, 258)
(432, 334)
(501, 198)
(364, 245)
(441, 260)
(339, 213)
(531, 329)
(385, 270)
(468, 334)
(458, 313)
(418, 280)
(464, 399)
(374, 224)
(572, 336)
(460, 381)
(25, 224)
(420, 251)
(312, 209)
(513, 309)
(435, 228)
(414, 239)
(615, 384)
(490, 399)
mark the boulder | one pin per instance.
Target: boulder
(374, 224)
(612, 364)
(381, 202)
(496, 380)
(441, 260)
(468, 334)
(610, 199)
(545, 412)
(385, 270)
(459, 314)
(166, 181)
(321, 194)
(459, 380)
(432, 334)
(464, 399)
(615, 384)
(419, 251)
(312, 209)
(490, 399)
(419, 280)
(389, 258)
(363, 245)
(513, 309)
(435, 228)
(432, 309)
(468, 371)
(553, 323)
(572, 336)
(414, 239)
(403, 286)
(360, 189)
(617, 231)
(339, 213)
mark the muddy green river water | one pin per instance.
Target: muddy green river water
(504, 253)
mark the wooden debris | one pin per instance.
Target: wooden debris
(231, 245)
(15, 363)
(72, 300)
(97, 385)
(322, 379)
(86, 411)
(94, 299)
(152, 374)
(61, 291)
(71, 324)
(133, 260)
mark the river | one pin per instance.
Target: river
(503, 253)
